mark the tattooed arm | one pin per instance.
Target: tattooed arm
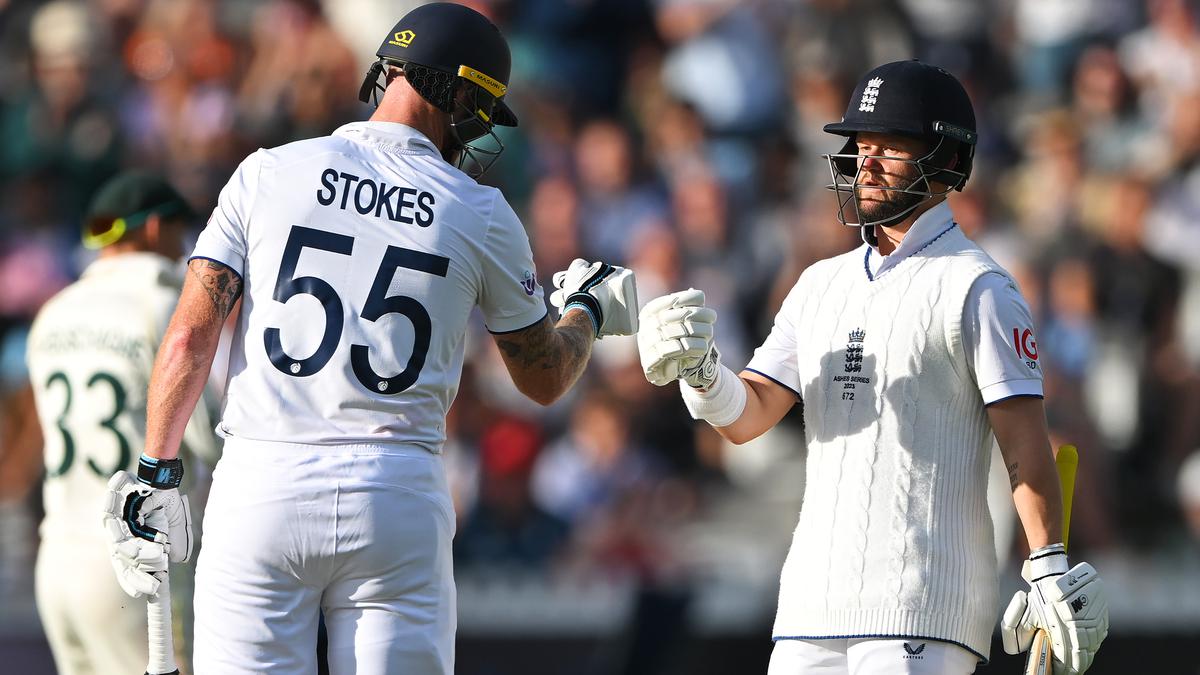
(1020, 427)
(545, 360)
(210, 292)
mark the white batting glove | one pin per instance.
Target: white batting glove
(675, 340)
(1070, 605)
(606, 293)
(147, 525)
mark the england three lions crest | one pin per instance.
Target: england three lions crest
(870, 95)
(854, 351)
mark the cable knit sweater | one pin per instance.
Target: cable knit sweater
(895, 537)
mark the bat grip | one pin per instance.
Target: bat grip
(158, 629)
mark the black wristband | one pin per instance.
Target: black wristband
(590, 304)
(163, 474)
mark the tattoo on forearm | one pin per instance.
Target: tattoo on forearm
(1013, 478)
(223, 285)
(559, 348)
(577, 335)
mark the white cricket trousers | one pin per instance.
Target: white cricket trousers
(93, 627)
(361, 532)
(870, 656)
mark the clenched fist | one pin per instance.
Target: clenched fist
(606, 293)
(675, 340)
(1070, 605)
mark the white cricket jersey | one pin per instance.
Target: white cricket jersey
(998, 336)
(90, 353)
(895, 366)
(362, 255)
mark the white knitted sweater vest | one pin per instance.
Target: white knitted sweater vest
(895, 537)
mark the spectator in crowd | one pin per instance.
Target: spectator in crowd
(594, 465)
(615, 205)
(506, 529)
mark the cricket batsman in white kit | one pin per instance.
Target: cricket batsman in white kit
(90, 353)
(359, 258)
(909, 353)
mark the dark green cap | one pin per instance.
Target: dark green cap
(125, 202)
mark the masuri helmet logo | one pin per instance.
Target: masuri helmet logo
(402, 38)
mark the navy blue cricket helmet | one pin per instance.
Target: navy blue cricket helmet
(446, 50)
(915, 100)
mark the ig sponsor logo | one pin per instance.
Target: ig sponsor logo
(1026, 346)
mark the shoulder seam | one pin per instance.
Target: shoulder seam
(487, 219)
(253, 200)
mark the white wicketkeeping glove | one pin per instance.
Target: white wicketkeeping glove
(676, 340)
(1070, 605)
(606, 293)
(147, 525)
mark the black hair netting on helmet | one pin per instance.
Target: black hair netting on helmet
(434, 86)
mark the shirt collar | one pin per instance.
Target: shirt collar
(393, 135)
(929, 226)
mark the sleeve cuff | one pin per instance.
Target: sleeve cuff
(776, 374)
(517, 323)
(225, 256)
(994, 393)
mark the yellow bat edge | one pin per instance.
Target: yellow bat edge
(1066, 460)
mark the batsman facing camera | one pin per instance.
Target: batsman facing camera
(921, 104)
(902, 355)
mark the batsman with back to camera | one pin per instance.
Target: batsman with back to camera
(90, 353)
(361, 256)
(909, 353)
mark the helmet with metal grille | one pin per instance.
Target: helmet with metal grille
(458, 61)
(914, 100)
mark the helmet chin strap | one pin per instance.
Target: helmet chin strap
(481, 157)
(868, 235)
(370, 87)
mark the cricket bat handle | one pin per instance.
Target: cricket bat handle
(1039, 655)
(158, 629)
(1066, 461)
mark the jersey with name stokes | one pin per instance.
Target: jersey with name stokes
(362, 255)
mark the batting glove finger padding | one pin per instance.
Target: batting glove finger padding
(136, 562)
(679, 349)
(134, 581)
(1015, 634)
(682, 322)
(606, 293)
(146, 527)
(676, 339)
(1070, 605)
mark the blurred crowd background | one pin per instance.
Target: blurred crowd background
(681, 138)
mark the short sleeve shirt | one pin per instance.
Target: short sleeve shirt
(998, 336)
(362, 256)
